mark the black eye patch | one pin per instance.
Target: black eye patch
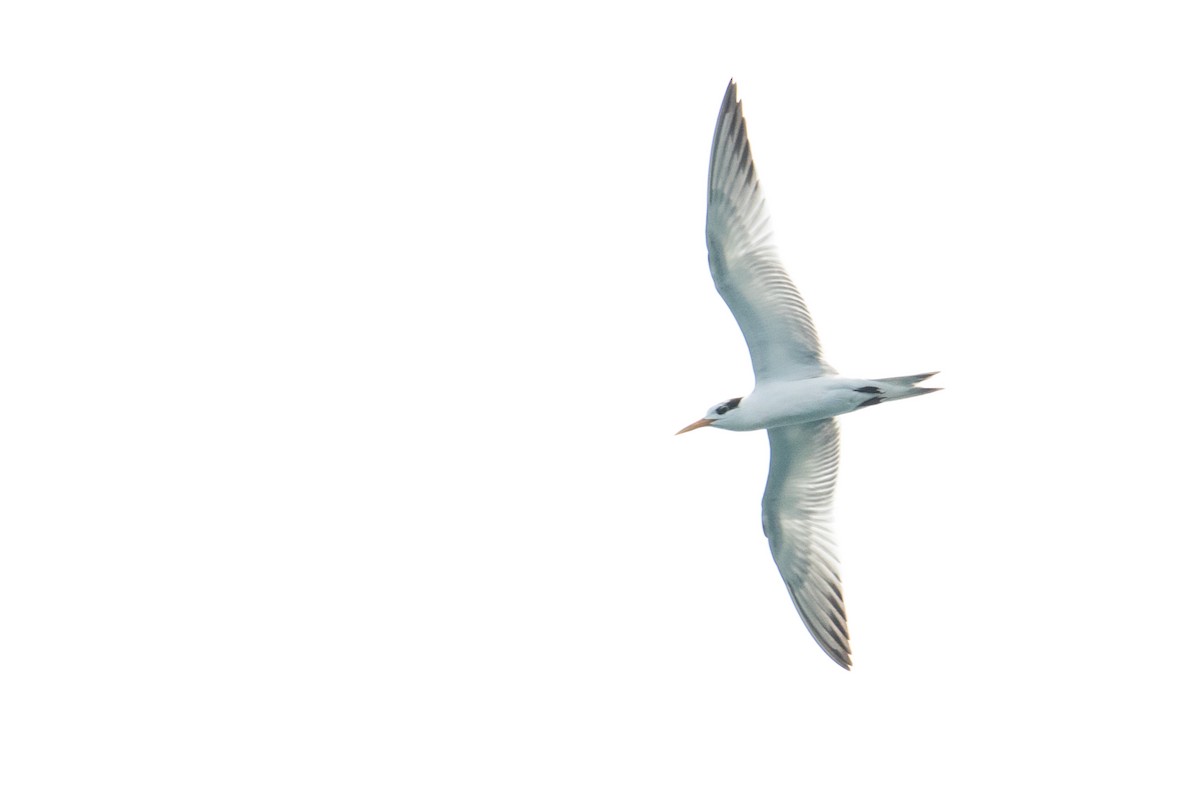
(729, 404)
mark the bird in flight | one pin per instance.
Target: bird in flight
(796, 396)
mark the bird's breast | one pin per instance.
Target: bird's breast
(791, 402)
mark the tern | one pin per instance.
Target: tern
(796, 395)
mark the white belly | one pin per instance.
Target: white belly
(789, 402)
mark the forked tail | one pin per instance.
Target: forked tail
(886, 389)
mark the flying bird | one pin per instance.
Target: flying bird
(796, 395)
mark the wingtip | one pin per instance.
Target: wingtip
(833, 639)
(731, 97)
(843, 660)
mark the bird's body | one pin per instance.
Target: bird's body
(796, 394)
(774, 404)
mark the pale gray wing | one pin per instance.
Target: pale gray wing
(797, 518)
(745, 265)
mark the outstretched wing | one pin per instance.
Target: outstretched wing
(797, 518)
(745, 265)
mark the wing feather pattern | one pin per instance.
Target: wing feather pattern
(797, 519)
(745, 264)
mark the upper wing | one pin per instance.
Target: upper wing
(797, 518)
(745, 265)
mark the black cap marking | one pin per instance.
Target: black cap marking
(728, 405)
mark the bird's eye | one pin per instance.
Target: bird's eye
(722, 409)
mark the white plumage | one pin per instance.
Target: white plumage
(796, 393)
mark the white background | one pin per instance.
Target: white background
(341, 346)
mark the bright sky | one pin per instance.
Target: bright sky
(342, 348)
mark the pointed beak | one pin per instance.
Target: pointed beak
(700, 423)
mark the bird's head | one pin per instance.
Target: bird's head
(715, 416)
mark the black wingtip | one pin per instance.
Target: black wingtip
(731, 99)
(833, 639)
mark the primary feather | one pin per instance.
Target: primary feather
(796, 396)
(745, 264)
